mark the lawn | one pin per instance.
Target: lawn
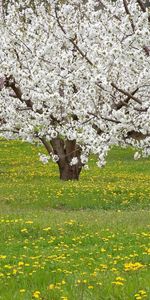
(86, 240)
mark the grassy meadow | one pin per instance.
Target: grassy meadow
(86, 240)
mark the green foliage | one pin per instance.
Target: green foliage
(73, 240)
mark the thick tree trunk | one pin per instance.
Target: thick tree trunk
(66, 151)
(68, 172)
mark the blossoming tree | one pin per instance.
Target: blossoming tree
(76, 77)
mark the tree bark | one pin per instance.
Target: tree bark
(66, 151)
(68, 172)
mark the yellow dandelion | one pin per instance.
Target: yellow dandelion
(51, 286)
(142, 292)
(84, 281)
(118, 282)
(29, 222)
(3, 256)
(103, 250)
(133, 266)
(20, 263)
(46, 229)
(24, 230)
(22, 291)
(36, 295)
(120, 278)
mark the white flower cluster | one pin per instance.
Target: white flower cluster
(44, 158)
(137, 155)
(78, 71)
(74, 161)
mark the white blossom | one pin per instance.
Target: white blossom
(55, 157)
(74, 161)
(44, 158)
(137, 155)
(78, 73)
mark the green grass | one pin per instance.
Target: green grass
(86, 240)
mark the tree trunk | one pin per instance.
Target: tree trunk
(66, 150)
(68, 172)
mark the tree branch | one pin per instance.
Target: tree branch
(128, 13)
(143, 7)
(126, 93)
(147, 50)
(10, 82)
(125, 102)
(105, 118)
(46, 144)
(72, 40)
(137, 135)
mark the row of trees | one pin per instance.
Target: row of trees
(75, 76)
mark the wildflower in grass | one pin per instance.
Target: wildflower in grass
(24, 230)
(120, 278)
(51, 286)
(103, 267)
(20, 263)
(8, 267)
(141, 294)
(133, 266)
(3, 256)
(145, 234)
(22, 291)
(113, 269)
(46, 229)
(147, 251)
(90, 287)
(29, 222)
(84, 281)
(78, 281)
(14, 271)
(70, 222)
(36, 295)
(103, 250)
(118, 282)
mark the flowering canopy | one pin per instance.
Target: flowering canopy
(77, 73)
